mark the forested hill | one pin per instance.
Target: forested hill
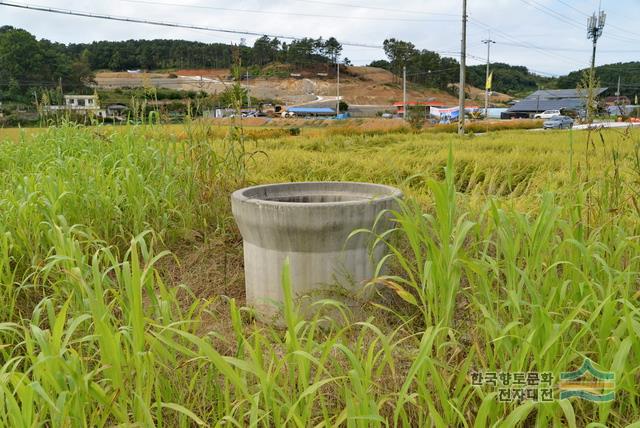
(629, 73)
(508, 79)
(430, 69)
(162, 54)
(28, 64)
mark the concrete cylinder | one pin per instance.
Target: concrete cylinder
(309, 223)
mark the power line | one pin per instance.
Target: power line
(483, 61)
(552, 13)
(162, 24)
(173, 24)
(559, 16)
(525, 44)
(430, 72)
(386, 9)
(281, 13)
(574, 8)
(548, 48)
(587, 16)
(519, 43)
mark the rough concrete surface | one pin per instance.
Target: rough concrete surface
(310, 225)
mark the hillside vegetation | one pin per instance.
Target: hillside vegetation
(508, 79)
(47, 69)
(629, 73)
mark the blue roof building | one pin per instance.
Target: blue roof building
(312, 111)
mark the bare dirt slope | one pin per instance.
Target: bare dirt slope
(358, 85)
(477, 94)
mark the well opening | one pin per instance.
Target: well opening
(318, 193)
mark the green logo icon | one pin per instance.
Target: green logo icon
(588, 383)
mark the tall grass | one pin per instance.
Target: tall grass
(480, 278)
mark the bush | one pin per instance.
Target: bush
(416, 116)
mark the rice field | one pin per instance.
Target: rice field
(515, 253)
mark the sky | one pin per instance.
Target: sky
(547, 36)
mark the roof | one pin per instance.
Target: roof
(312, 110)
(419, 103)
(615, 99)
(80, 96)
(554, 94)
(553, 99)
(533, 105)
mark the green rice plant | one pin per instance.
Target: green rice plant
(432, 267)
(492, 267)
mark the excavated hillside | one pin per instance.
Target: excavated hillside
(358, 85)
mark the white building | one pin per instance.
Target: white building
(79, 103)
(82, 102)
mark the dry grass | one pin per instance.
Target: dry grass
(15, 134)
(489, 126)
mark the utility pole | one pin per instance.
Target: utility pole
(404, 92)
(61, 99)
(463, 60)
(248, 89)
(337, 88)
(595, 25)
(618, 92)
(487, 90)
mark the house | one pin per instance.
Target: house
(550, 99)
(615, 100)
(82, 104)
(113, 111)
(426, 104)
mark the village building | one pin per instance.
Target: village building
(550, 99)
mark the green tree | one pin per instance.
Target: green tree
(230, 96)
(265, 50)
(332, 49)
(509, 79)
(81, 73)
(381, 63)
(399, 53)
(115, 63)
(300, 52)
(20, 55)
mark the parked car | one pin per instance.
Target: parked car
(558, 122)
(547, 114)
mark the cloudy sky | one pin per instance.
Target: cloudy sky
(548, 36)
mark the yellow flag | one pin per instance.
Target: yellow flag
(489, 80)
